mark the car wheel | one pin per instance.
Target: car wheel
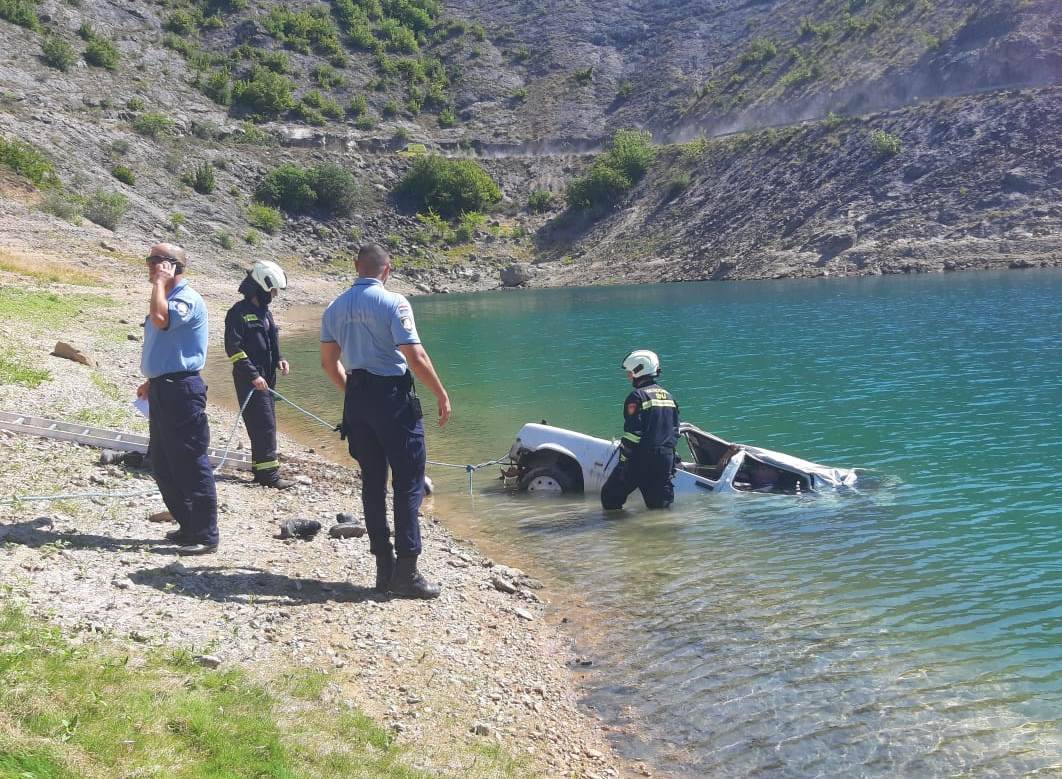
(546, 480)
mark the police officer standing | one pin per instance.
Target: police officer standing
(369, 346)
(175, 347)
(650, 432)
(252, 343)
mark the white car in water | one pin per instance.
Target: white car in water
(552, 460)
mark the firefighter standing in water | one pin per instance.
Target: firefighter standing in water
(252, 343)
(650, 432)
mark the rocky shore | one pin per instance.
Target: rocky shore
(485, 664)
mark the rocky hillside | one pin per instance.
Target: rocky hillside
(147, 120)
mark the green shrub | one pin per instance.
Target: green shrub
(153, 125)
(218, 87)
(327, 77)
(267, 219)
(468, 224)
(250, 135)
(391, 108)
(106, 208)
(539, 201)
(602, 185)
(226, 241)
(304, 30)
(135, 103)
(201, 179)
(584, 76)
(102, 53)
(63, 205)
(85, 32)
(630, 152)
(519, 95)
(397, 37)
(20, 12)
(433, 229)
(264, 92)
(327, 188)
(449, 186)
(58, 53)
(358, 106)
(176, 220)
(447, 117)
(759, 50)
(123, 174)
(251, 238)
(676, 185)
(308, 114)
(276, 61)
(625, 90)
(28, 162)
(184, 22)
(884, 144)
(365, 122)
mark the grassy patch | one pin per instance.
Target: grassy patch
(14, 372)
(88, 711)
(47, 310)
(98, 416)
(108, 388)
(45, 270)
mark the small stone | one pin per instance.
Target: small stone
(70, 352)
(346, 530)
(161, 516)
(523, 614)
(344, 518)
(482, 729)
(302, 478)
(502, 584)
(208, 661)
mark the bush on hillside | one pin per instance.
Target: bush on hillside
(327, 188)
(58, 53)
(102, 53)
(153, 125)
(106, 208)
(218, 87)
(27, 161)
(264, 92)
(124, 174)
(448, 186)
(201, 179)
(266, 219)
(627, 157)
(20, 12)
(884, 144)
(539, 201)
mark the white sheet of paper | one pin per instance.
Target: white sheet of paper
(142, 407)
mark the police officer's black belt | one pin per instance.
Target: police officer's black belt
(362, 376)
(175, 376)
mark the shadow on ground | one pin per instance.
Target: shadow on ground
(246, 585)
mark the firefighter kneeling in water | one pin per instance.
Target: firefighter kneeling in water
(252, 343)
(650, 432)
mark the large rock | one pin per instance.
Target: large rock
(70, 352)
(832, 242)
(1024, 180)
(516, 275)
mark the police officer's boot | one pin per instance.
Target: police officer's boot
(385, 570)
(408, 583)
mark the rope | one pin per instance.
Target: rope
(236, 424)
(469, 468)
(311, 415)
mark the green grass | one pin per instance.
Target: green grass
(108, 388)
(14, 372)
(98, 416)
(46, 309)
(87, 711)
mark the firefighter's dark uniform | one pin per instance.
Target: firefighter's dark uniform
(647, 449)
(252, 343)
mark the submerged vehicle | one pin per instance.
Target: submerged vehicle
(552, 460)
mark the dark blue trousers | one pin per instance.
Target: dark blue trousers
(180, 436)
(649, 471)
(384, 428)
(260, 417)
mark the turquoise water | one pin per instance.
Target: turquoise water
(911, 629)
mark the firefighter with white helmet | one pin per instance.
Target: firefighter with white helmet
(252, 342)
(650, 433)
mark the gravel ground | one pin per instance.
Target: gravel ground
(482, 663)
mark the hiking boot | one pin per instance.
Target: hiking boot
(385, 570)
(177, 536)
(278, 483)
(408, 583)
(196, 549)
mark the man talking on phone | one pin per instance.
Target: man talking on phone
(175, 347)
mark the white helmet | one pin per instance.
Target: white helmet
(269, 275)
(641, 362)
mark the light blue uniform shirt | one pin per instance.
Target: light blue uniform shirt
(369, 322)
(183, 345)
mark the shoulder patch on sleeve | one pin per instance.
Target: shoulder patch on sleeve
(632, 409)
(407, 322)
(181, 308)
